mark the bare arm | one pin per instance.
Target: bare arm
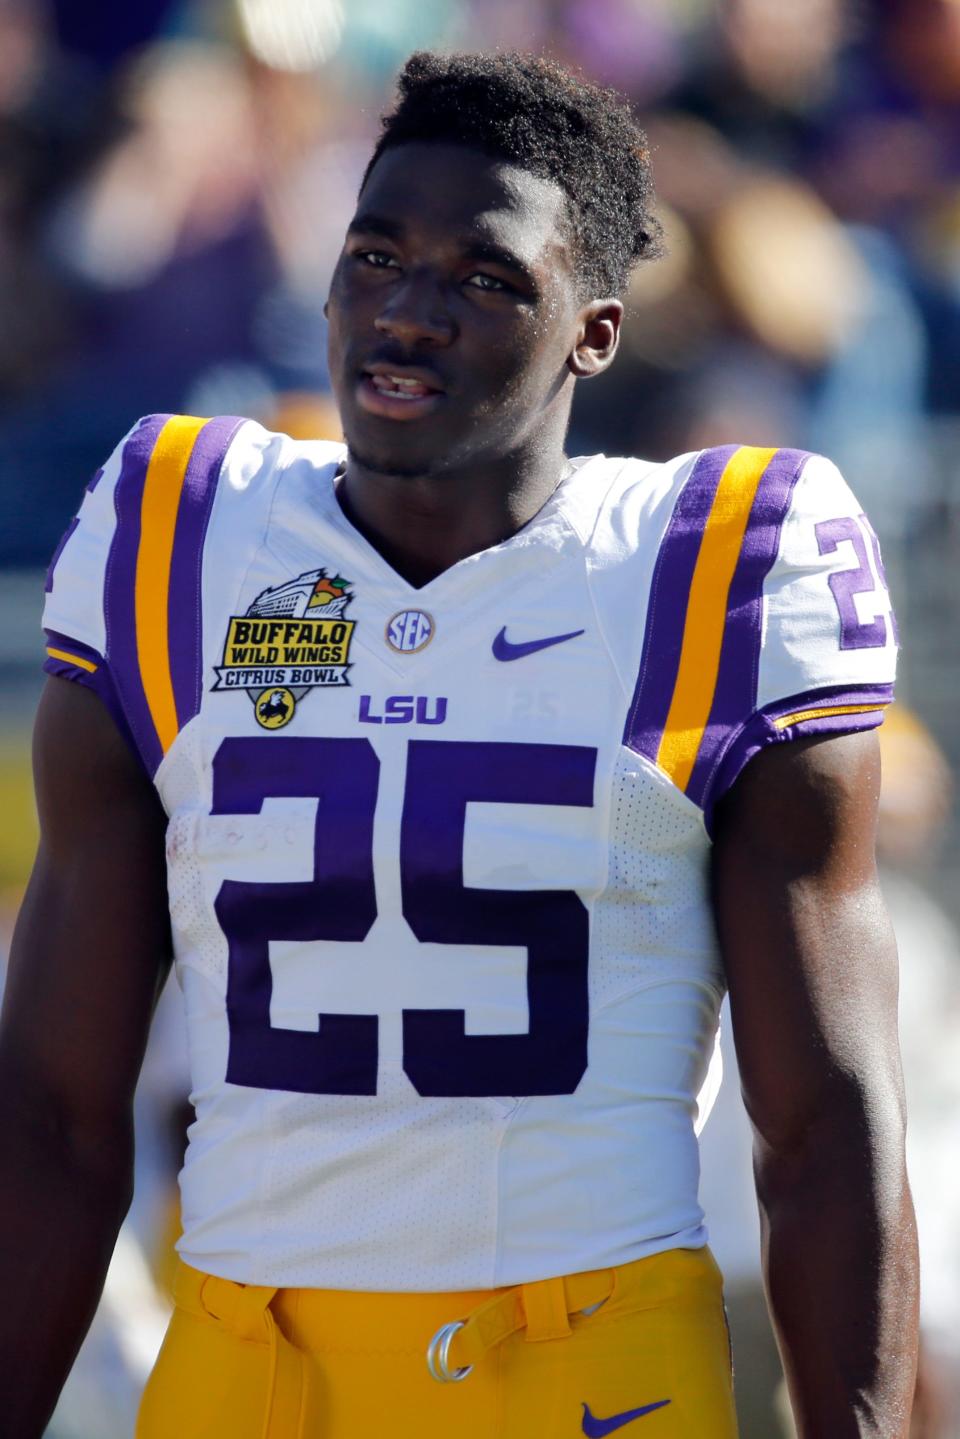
(90, 953)
(811, 966)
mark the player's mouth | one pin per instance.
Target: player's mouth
(398, 392)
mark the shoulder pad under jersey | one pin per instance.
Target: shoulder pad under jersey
(768, 618)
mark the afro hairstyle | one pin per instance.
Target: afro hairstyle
(535, 114)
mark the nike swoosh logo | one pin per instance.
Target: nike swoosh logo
(504, 650)
(597, 1428)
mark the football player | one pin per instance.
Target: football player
(460, 778)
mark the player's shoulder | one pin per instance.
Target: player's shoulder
(163, 479)
(157, 496)
(166, 526)
(171, 450)
(618, 480)
(738, 467)
(257, 455)
(757, 489)
(767, 612)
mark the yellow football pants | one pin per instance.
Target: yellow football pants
(651, 1358)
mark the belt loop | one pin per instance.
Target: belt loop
(244, 1310)
(545, 1307)
(287, 1399)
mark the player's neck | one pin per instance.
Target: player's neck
(422, 525)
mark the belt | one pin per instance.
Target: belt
(542, 1308)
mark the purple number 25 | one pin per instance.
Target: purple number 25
(855, 634)
(339, 903)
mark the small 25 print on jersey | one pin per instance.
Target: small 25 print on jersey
(292, 639)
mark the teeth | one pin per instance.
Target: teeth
(399, 386)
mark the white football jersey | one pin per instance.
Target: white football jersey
(438, 857)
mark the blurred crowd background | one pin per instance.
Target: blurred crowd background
(175, 177)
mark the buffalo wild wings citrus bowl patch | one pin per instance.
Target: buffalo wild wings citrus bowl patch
(292, 639)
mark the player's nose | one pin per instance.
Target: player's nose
(416, 312)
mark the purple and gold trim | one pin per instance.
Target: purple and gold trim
(735, 694)
(164, 497)
(68, 659)
(184, 591)
(70, 654)
(835, 709)
(701, 649)
(666, 613)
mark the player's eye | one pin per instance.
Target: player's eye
(482, 281)
(378, 259)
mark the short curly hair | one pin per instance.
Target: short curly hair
(535, 114)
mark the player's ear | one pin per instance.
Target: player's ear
(597, 338)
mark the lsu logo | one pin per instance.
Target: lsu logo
(292, 639)
(403, 709)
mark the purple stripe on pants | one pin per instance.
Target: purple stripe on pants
(120, 587)
(735, 695)
(184, 604)
(667, 611)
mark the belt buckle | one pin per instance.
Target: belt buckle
(438, 1353)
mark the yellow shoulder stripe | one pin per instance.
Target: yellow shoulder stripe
(158, 523)
(784, 721)
(706, 615)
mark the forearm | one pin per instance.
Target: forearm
(62, 1200)
(840, 1262)
(89, 954)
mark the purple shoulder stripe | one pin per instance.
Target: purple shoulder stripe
(735, 696)
(762, 729)
(183, 591)
(48, 582)
(184, 609)
(120, 589)
(667, 607)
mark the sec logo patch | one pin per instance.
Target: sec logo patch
(275, 708)
(409, 631)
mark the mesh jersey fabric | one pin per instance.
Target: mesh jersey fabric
(438, 857)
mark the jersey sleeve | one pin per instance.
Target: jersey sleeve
(769, 618)
(827, 655)
(123, 591)
(74, 619)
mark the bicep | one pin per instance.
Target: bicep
(92, 944)
(807, 946)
